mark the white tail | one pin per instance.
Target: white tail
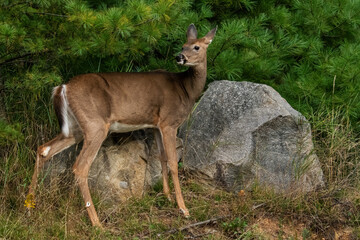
(91, 105)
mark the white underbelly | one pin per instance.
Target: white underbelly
(121, 127)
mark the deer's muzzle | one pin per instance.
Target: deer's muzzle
(180, 59)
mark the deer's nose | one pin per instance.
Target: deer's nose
(180, 57)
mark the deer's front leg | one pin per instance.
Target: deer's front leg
(169, 141)
(164, 167)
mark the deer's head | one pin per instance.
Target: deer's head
(194, 51)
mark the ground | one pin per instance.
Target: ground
(255, 213)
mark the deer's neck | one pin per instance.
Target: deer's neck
(195, 80)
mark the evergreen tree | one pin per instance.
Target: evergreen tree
(307, 50)
(43, 43)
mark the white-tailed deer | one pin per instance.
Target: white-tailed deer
(90, 106)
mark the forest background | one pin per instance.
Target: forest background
(309, 51)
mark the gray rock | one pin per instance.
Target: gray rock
(241, 133)
(127, 165)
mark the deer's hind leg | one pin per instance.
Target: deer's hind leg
(92, 142)
(43, 154)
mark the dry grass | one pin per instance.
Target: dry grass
(256, 214)
(337, 145)
(330, 213)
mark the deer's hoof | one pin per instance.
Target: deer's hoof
(185, 212)
(169, 198)
(99, 226)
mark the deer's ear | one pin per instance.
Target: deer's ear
(191, 32)
(210, 35)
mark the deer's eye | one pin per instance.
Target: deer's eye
(196, 48)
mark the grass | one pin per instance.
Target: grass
(257, 213)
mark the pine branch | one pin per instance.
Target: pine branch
(7, 54)
(15, 4)
(144, 22)
(222, 48)
(49, 14)
(8, 61)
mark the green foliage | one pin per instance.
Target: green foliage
(235, 227)
(9, 133)
(307, 50)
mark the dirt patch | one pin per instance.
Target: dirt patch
(273, 228)
(270, 228)
(344, 234)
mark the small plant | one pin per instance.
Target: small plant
(235, 227)
(306, 234)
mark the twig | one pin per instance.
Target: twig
(16, 58)
(257, 206)
(212, 220)
(49, 14)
